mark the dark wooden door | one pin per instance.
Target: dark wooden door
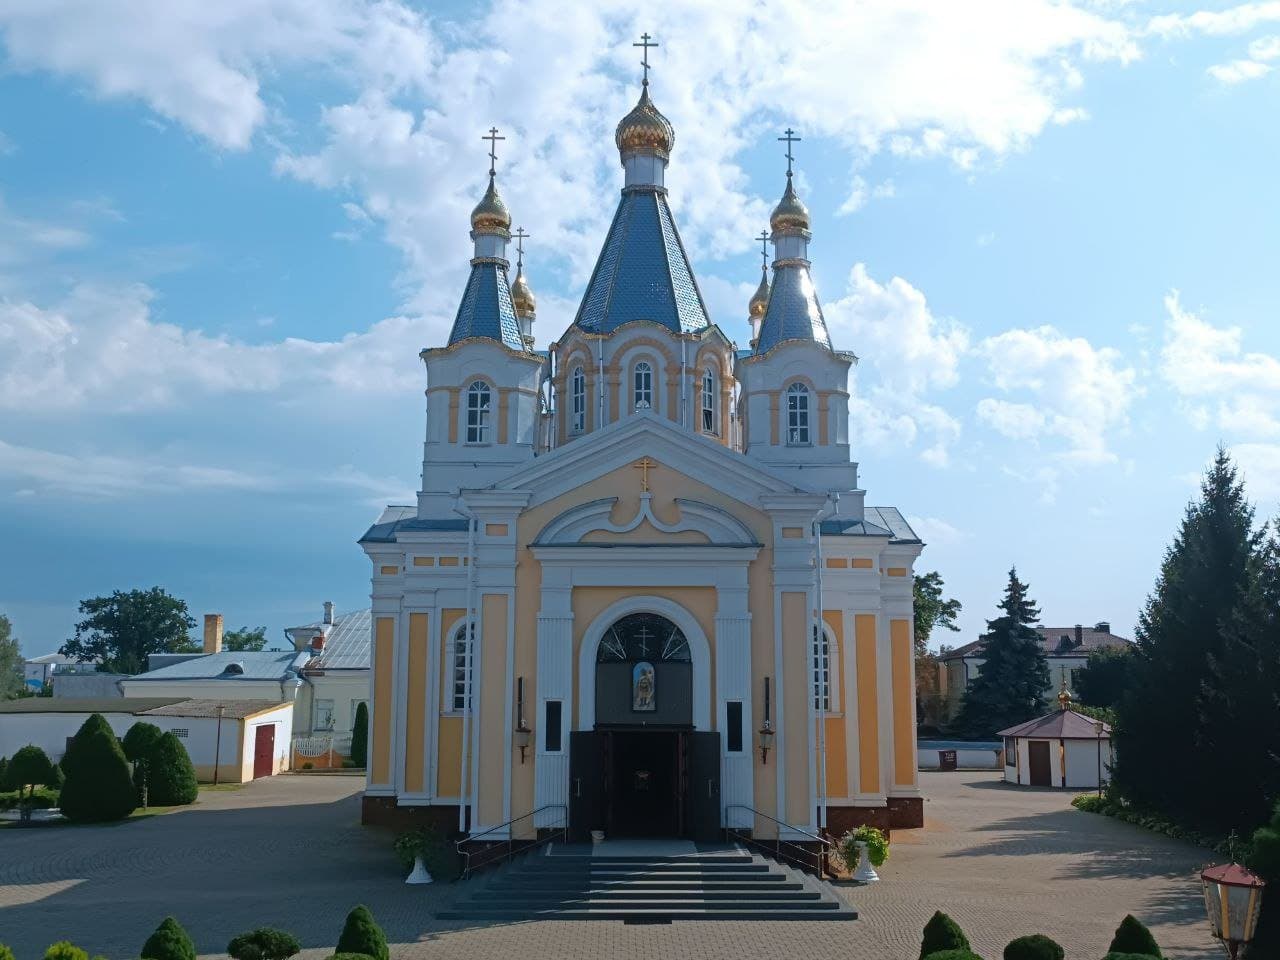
(588, 783)
(264, 751)
(1038, 761)
(702, 787)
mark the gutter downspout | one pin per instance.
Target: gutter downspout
(824, 688)
(468, 777)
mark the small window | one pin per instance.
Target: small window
(797, 414)
(578, 402)
(551, 727)
(709, 402)
(822, 679)
(643, 388)
(733, 720)
(181, 732)
(460, 699)
(322, 715)
(478, 412)
(1010, 752)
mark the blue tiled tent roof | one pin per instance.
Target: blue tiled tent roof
(794, 312)
(642, 273)
(486, 309)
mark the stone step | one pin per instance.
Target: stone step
(773, 885)
(740, 896)
(651, 915)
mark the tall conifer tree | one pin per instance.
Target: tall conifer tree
(1205, 572)
(1011, 685)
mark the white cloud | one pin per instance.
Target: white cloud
(934, 530)
(1074, 392)
(908, 354)
(1238, 71)
(1265, 48)
(1231, 20)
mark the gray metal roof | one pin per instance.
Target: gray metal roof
(643, 272)
(1056, 642)
(486, 309)
(134, 705)
(257, 665)
(876, 522)
(1059, 725)
(347, 641)
(231, 709)
(385, 532)
(793, 312)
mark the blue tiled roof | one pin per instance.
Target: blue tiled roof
(486, 309)
(643, 272)
(794, 312)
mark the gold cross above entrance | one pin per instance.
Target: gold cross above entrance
(643, 465)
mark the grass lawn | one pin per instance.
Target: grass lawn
(141, 813)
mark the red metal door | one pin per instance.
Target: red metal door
(264, 750)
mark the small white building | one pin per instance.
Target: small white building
(336, 675)
(247, 739)
(1061, 749)
(39, 672)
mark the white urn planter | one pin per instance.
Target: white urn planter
(419, 873)
(864, 873)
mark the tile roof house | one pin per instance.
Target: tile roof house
(1066, 649)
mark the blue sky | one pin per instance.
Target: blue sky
(1048, 230)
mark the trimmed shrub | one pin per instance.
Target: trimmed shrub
(4, 765)
(99, 786)
(6, 953)
(65, 950)
(29, 768)
(1034, 947)
(169, 942)
(1132, 937)
(1127, 956)
(96, 722)
(138, 741)
(942, 933)
(171, 779)
(360, 735)
(346, 956)
(361, 934)
(960, 954)
(264, 943)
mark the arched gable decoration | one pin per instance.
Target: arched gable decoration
(718, 526)
(699, 653)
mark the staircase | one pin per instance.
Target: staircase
(727, 885)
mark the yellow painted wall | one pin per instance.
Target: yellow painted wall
(416, 705)
(834, 745)
(493, 706)
(904, 708)
(384, 634)
(449, 758)
(864, 631)
(797, 691)
(837, 768)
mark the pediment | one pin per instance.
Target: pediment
(594, 522)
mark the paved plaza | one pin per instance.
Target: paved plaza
(289, 852)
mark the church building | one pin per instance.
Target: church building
(640, 591)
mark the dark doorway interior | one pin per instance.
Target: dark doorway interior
(646, 792)
(1038, 757)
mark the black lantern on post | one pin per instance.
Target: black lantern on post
(523, 735)
(1233, 899)
(765, 735)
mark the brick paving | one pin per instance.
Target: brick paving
(289, 852)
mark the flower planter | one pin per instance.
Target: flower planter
(864, 873)
(419, 873)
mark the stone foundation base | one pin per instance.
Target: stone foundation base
(383, 812)
(902, 813)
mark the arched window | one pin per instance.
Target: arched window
(578, 402)
(797, 414)
(478, 410)
(460, 673)
(709, 402)
(642, 393)
(824, 677)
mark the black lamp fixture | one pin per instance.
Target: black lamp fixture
(523, 734)
(765, 734)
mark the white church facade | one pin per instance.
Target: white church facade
(640, 590)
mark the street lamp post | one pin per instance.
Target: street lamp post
(1232, 899)
(1098, 727)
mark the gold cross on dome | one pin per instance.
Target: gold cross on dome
(790, 138)
(493, 138)
(521, 237)
(764, 248)
(645, 43)
(643, 465)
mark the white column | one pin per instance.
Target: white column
(733, 682)
(555, 682)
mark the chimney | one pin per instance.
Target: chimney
(213, 633)
(317, 645)
(1079, 635)
(328, 611)
(1103, 626)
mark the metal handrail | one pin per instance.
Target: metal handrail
(511, 851)
(826, 847)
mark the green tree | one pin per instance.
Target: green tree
(65, 950)
(29, 768)
(1210, 565)
(138, 742)
(360, 735)
(169, 942)
(98, 785)
(1105, 676)
(361, 934)
(245, 639)
(11, 661)
(931, 610)
(1011, 683)
(121, 630)
(1264, 859)
(171, 779)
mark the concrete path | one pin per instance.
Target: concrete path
(289, 852)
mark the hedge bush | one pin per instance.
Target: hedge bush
(360, 735)
(65, 950)
(96, 722)
(942, 933)
(958, 954)
(264, 943)
(169, 942)
(361, 934)
(171, 780)
(137, 743)
(1034, 947)
(1132, 937)
(6, 953)
(29, 768)
(99, 786)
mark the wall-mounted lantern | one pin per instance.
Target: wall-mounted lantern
(765, 735)
(523, 736)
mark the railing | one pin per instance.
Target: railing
(818, 861)
(505, 853)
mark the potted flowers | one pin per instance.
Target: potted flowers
(867, 847)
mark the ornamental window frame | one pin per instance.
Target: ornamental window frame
(798, 413)
(827, 650)
(642, 397)
(708, 395)
(461, 668)
(577, 400)
(478, 421)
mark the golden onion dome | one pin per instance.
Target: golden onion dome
(790, 213)
(521, 296)
(645, 129)
(760, 299)
(491, 214)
